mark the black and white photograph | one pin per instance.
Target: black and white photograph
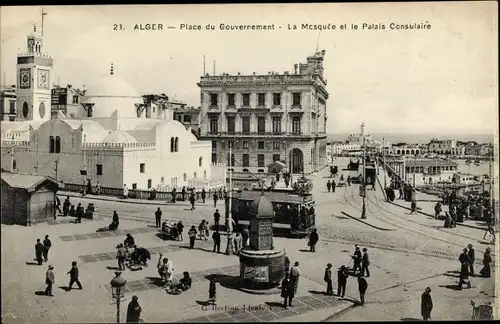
(213, 163)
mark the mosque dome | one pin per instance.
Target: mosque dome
(120, 136)
(111, 94)
(261, 206)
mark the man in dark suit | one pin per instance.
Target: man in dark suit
(342, 281)
(362, 286)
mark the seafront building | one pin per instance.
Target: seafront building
(113, 135)
(423, 171)
(8, 102)
(267, 118)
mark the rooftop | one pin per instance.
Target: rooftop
(24, 181)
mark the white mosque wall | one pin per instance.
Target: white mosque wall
(112, 161)
(106, 106)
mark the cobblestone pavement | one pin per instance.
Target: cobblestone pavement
(403, 262)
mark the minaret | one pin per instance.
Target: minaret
(34, 81)
(362, 129)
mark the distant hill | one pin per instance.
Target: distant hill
(417, 138)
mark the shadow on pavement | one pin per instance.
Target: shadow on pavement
(197, 248)
(453, 271)
(304, 250)
(452, 287)
(113, 268)
(410, 319)
(156, 281)
(315, 292)
(32, 263)
(40, 293)
(274, 304)
(64, 288)
(230, 282)
(451, 275)
(204, 303)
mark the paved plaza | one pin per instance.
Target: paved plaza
(407, 252)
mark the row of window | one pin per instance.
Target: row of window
(261, 124)
(245, 159)
(261, 99)
(54, 145)
(246, 145)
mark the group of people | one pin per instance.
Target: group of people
(467, 258)
(73, 273)
(70, 210)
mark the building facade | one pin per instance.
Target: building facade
(267, 118)
(189, 117)
(115, 136)
(446, 146)
(66, 99)
(8, 103)
(423, 171)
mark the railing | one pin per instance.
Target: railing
(145, 194)
(242, 134)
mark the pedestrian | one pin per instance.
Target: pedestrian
(287, 291)
(464, 257)
(365, 263)
(237, 242)
(342, 281)
(134, 310)
(129, 241)
(295, 276)
(192, 236)
(348, 180)
(47, 244)
(313, 239)
(437, 210)
(66, 206)
(79, 213)
(401, 193)
(216, 239)
(245, 237)
(212, 292)
(58, 205)
(216, 197)
(174, 195)
(362, 286)
(357, 258)
(121, 256)
(426, 306)
(202, 230)
(464, 276)
(216, 218)
(328, 279)
(192, 200)
(180, 229)
(125, 191)
(203, 195)
(471, 255)
(183, 194)
(328, 185)
(486, 270)
(39, 249)
(334, 185)
(73, 275)
(413, 207)
(207, 229)
(50, 279)
(158, 214)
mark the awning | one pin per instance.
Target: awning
(276, 167)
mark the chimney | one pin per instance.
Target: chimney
(295, 66)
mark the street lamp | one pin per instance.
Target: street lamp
(228, 203)
(118, 291)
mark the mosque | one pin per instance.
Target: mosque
(115, 137)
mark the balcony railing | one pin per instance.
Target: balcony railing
(250, 133)
(213, 107)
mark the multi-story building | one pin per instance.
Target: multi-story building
(446, 146)
(486, 149)
(66, 99)
(267, 118)
(189, 116)
(8, 103)
(404, 149)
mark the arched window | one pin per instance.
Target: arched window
(200, 161)
(52, 146)
(172, 140)
(185, 177)
(58, 144)
(176, 144)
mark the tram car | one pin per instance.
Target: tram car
(294, 214)
(353, 166)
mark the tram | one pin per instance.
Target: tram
(294, 214)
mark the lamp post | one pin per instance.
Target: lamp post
(229, 246)
(363, 183)
(117, 291)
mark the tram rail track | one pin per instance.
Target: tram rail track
(398, 223)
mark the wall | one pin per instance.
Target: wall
(14, 205)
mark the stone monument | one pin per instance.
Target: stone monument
(261, 266)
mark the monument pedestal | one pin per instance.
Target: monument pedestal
(261, 270)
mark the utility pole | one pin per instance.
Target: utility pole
(229, 246)
(57, 162)
(204, 72)
(363, 183)
(12, 155)
(383, 163)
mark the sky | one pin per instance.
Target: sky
(438, 80)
